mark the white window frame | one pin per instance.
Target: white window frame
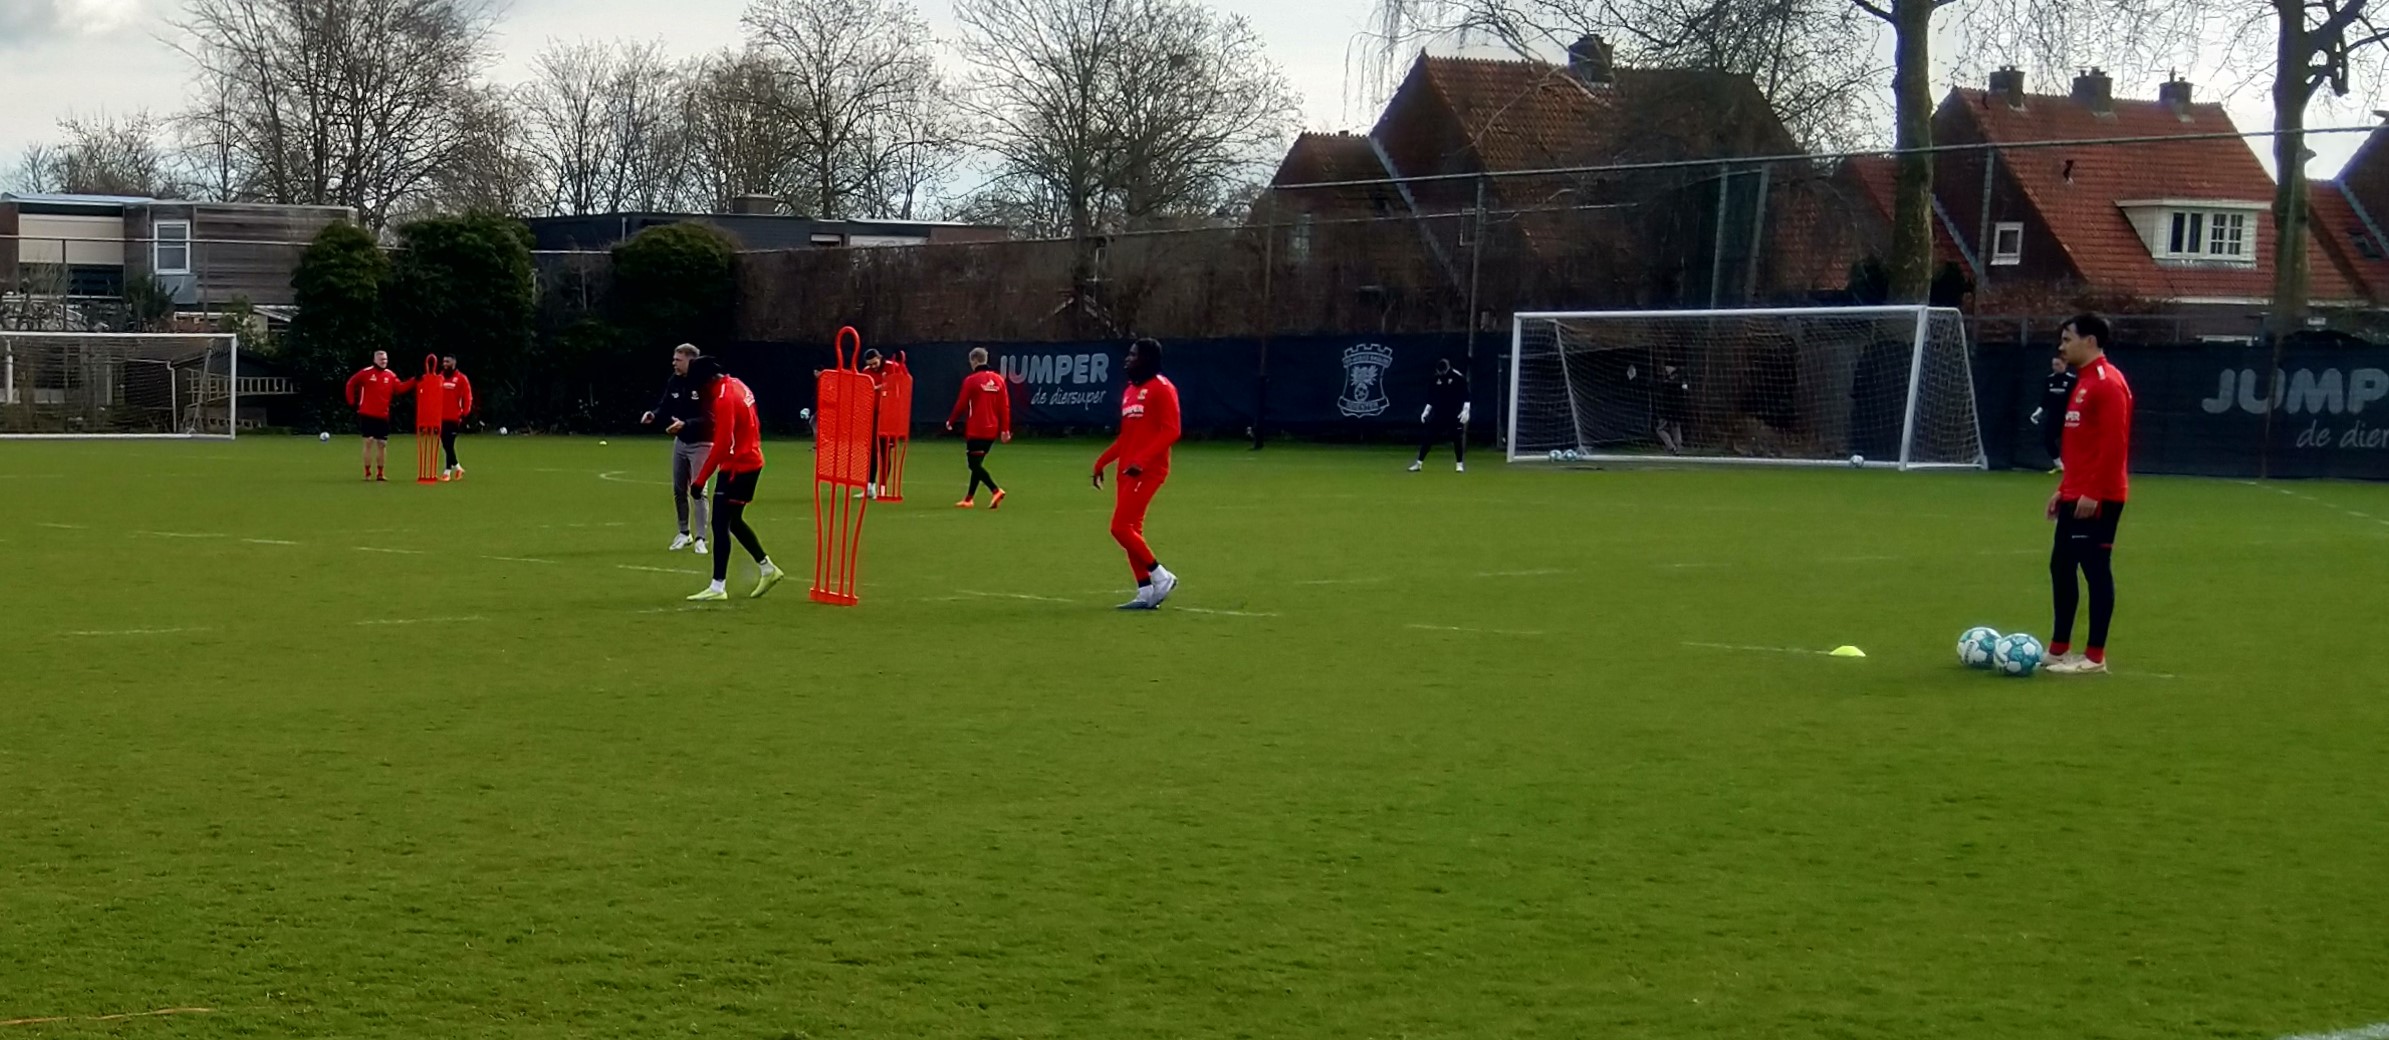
(2238, 235)
(159, 241)
(2003, 254)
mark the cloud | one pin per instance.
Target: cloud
(27, 23)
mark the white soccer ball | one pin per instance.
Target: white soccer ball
(1571, 455)
(1857, 461)
(501, 431)
(1974, 647)
(601, 444)
(1555, 455)
(324, 437)
(2017, 655)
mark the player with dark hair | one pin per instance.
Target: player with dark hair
(456, 397)
(984, 408)
(1148, 426)
(738, 454)
(691, 428)
(370, 392)
(2050, 416)
(2090, 497)
(876, 367)
(1446, 415)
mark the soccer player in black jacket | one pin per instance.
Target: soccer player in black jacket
(1446, 416)
(2050, 416)
(683, 406)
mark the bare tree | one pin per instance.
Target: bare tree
(854, 80)
(1122, 111)
(603, 123)
(2317, 44)
(496, 171)
(738, 144)
(339, 102)
(102, 155)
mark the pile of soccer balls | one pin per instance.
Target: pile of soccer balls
(1566, 455)
(2017, 655)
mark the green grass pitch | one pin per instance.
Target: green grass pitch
(1516, 753)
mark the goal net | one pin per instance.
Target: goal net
(97, 384)
(1891, 386)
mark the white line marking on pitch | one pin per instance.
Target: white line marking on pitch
(1546, 573)
(425, 620)
(2375, 1031)
(620, 476)
(1224, 613)
(394, 552)
(1759, 649)
(267, 541)
(137, 631)
(1479, 631)
(181, 534)
(1014, 595)
(662, 570)
(1343, 581)
(64, 527)
(516, 559)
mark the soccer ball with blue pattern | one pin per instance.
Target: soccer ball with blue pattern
(1974, 647)
(2018, 655)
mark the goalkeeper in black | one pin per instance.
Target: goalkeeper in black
(2050, 416)
(1446, 416)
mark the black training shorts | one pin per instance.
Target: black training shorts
(736, 489)
(374, 427)
(2098, 532)
(451, 428)
(977, 446)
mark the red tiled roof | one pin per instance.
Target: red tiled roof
(1877, 180)
(2353, 242)
(1332, 159)
(1529, 115)
(2076, 188)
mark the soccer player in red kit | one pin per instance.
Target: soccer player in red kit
(369, 392)
(457, 395)
(984, 408)
(2090, 498)
(738, 454)
(1148, 426)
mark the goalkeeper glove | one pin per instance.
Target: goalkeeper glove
(1424, 412)
(1463, 413)
(2036, 417)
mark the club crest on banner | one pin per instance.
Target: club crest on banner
(1364, 381)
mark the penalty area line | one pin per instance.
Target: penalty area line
(138, 631)
(1797, 651)
(159, 1013)
(1479, 631)
(425, 620)
(2375, 1031)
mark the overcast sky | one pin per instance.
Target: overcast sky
(67, 57)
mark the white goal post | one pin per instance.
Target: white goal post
(95, 385)
(1889, 387)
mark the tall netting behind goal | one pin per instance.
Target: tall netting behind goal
(97, 384)
(1817, 386)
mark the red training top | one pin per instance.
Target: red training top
(737, 434)
(2098, 436)
(371, 390)
(1148, 426)
(458, 395)
(987, 399)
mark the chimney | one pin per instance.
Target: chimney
(2008, 85)
(755, 205)
(1590, 61)
(2175, 94)
(2095, 91)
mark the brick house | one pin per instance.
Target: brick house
(2184, 226)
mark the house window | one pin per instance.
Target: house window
(171, 254)
(2007, 245)
(2210, 235)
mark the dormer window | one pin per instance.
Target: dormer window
(2188, 231)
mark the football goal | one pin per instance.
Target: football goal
(1875, 386)
(99, 384)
